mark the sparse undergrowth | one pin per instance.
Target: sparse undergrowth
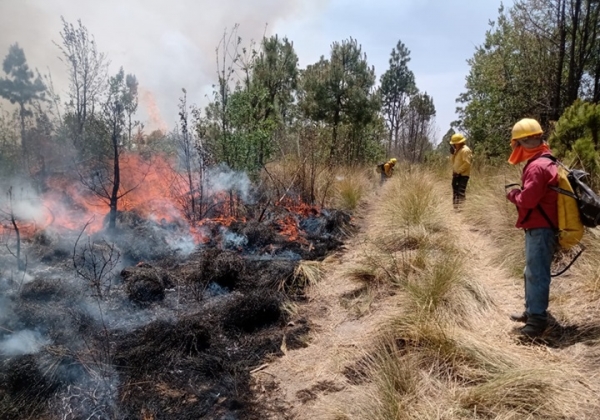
(433, 360)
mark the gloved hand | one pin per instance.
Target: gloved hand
(455, 174)
(510, 196)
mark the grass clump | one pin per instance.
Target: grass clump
(306, 274)
(350, 189)
(425, 368)
(526, 393)
(437, 283)
(411, 199)
(489, 212)
(447, 351)
(409, 227)
(397, 382)
(442, 288)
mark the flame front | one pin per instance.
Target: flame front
(154, 190)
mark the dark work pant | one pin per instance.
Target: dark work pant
(459, 188)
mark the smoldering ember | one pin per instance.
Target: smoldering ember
(156, 318)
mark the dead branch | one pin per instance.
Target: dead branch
(95, 266)
(292, 183)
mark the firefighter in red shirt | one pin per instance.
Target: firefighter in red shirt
(538, 216)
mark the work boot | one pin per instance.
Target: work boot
(519, 317)
(535, 326)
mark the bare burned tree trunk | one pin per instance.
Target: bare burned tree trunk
(188, 155)
(10, 214)
(20, 264)
(114, 196)
(105, 180)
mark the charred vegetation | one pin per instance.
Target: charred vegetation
(173, 335)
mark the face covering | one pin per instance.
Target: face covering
(521, 154)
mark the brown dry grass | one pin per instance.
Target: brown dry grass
(341, 188)
(424, 332)
(488, 211)
(351, 186)
(434, 350)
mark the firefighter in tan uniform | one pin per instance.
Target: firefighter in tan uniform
(461, 168)
(388, 170)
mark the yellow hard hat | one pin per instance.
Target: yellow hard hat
(525, 128)
(393, 160)
(457, 138)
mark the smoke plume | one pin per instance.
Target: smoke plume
(168, 45)
(223, 179)
(23, 342)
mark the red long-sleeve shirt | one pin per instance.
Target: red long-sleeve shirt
(538, 175)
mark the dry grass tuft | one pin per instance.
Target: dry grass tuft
(587, 270)
(417, 367)
(455, 353)
(488, 211)
(307, 273)
(410, 200)
(397, 384)
(350, 188)
(314, 184)
(378, 268)
(362, 273)
(526, 393)
(422, 368)
(358, 301)
(442, 288)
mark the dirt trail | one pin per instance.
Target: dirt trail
(309, 383)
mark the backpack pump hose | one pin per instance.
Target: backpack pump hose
(582, 248)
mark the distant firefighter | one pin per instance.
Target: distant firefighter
(461, 168)
(386, 169)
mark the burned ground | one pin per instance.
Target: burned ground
(171, 336)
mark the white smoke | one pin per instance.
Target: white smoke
(232, 240)
(23, 342)
(184, 245)
(168, 45)
(18, 199)
(223, 179)
(24, 278)
(6, 311)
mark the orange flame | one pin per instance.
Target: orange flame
(155, 191)
(289, 228)
(156, 121)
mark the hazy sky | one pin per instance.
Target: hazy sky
(170, 44)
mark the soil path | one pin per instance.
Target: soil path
(309, 383)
